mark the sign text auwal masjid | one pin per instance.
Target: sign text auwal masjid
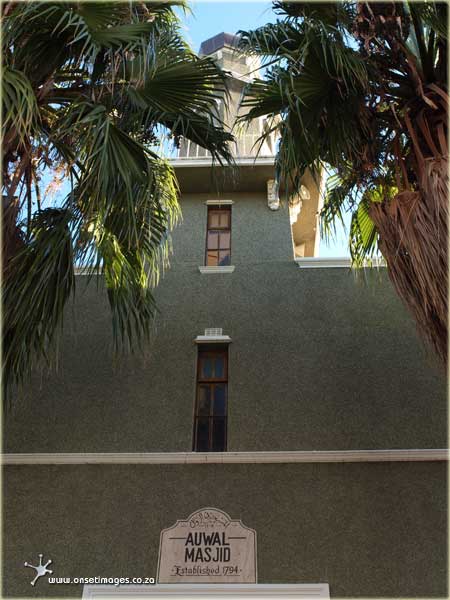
(207, 547)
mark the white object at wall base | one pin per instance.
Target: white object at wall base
(207, 270)
(179, 591)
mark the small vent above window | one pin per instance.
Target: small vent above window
(213, 331)
(213, 335)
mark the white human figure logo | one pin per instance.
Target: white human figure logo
(41, 569)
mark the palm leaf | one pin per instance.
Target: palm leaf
(363, 235)
(41, 279)
(91, 86)
(19, 106)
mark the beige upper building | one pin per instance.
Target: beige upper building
(254, 159)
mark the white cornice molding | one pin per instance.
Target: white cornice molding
(213, 339)
(219, 269)
(170, 458)
(268, 591)
(218, 202)
(207, 162)
(309, 262)
(317, 262)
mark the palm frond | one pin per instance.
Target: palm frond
(90, 86)
(127, 201)
(264, 98)
(336, 198)
(434, 16)
(40, 280)
(20, 113)
(363, 235)
(337, 14)
(190, 84)
(278, 39)
(376, 115)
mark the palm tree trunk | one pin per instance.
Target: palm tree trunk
(413, 229)
(12, 239)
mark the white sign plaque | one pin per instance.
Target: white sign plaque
(207, 547)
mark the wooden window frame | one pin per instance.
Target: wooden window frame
(219, 208)
(214, 351)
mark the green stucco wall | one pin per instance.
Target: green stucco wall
(258, 235)
(368, 530)
(319, 359)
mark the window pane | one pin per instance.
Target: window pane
(204, 400)
(218, 367)
(202, 437)
(224, 258)
(214, 219)
(224, 218)
(224, 240)
(213, 240)
(218, 440)
(212, 259)
(206, 369)
(220, 399)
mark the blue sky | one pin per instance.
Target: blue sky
(208, 18)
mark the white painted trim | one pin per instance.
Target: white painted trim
(192, 590)
(207, 162)
(169, 458)
(213, 339)
(207, 270)
(317, 262)
(308, 262)
(218, 202)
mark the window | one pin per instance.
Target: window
(210, 422)
(218, 237)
